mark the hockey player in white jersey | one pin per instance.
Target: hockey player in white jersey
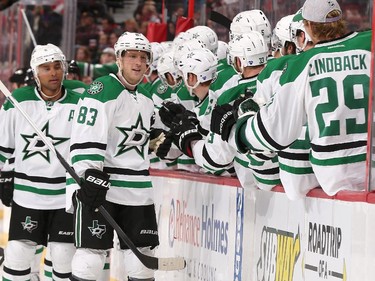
(281, 40)
(38, 206)
(110, 142)
(327, 88)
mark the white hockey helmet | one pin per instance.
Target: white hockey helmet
(222, 50)
(206, 35)
(201, 62)
(165, 65)
(46, 53)
(180, 39)
(250, 48)
(187, 46)
(295, 27)
(167, 45)
(281, 33)
(252, 20)
(157, 51)
(133, 41)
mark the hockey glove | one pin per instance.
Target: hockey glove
(184, 131)
(246, 109)
(94, 188)
(222, 120)
(169, 111)
(6, 187)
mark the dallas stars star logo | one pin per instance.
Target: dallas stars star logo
(35, 145)
(135, 138)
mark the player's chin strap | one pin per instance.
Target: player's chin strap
(167, 264)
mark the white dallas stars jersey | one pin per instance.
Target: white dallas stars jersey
(327, 88)
(39, 175)
(111, 133)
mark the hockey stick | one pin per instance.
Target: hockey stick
(220, 19)
(167, 264)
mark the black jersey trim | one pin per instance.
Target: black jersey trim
(209, 160)
(40, 179)
(16, 272)
(127, 172)
(294, 156)
(262, 156)
(273, 171)
(6, 149)
(87, 145)
(338, 146)
(266, 136)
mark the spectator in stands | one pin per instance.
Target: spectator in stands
(103, 40)
(131, 25)
(87, 29)
(83, 54)
(113, 38)
(107, 56)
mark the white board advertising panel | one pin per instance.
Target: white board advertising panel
(278, 237)
(199, 222)
(329, 239)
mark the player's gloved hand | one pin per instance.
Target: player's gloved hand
(239, 100)
(94, 188)
(246, 109)
(6, 187)
(169, 110)
(160, 142)
(184, 131)
(249, 107)
(222, 120)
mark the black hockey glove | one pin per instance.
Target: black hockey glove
(184, 130)
(169, 110)
(94, 188)
(6, 187)
(164, 147)
(222, 120)
(160, 142)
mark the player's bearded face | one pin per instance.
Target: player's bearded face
(134, 66)
(51, 75)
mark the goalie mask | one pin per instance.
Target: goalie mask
(45, 54)
(202, 63)
(252, 20)
(250, 48)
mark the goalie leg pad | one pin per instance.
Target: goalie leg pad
(61, 256)
(87, 264)
(19, 254)
(135, 269)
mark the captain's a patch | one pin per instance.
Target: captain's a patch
(95, 88)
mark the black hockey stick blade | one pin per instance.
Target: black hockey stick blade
(167, 264)
(1, 255)
(220, 19)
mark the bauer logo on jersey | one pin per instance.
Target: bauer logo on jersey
(97, 229)
(95, 88)
(29, 225)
